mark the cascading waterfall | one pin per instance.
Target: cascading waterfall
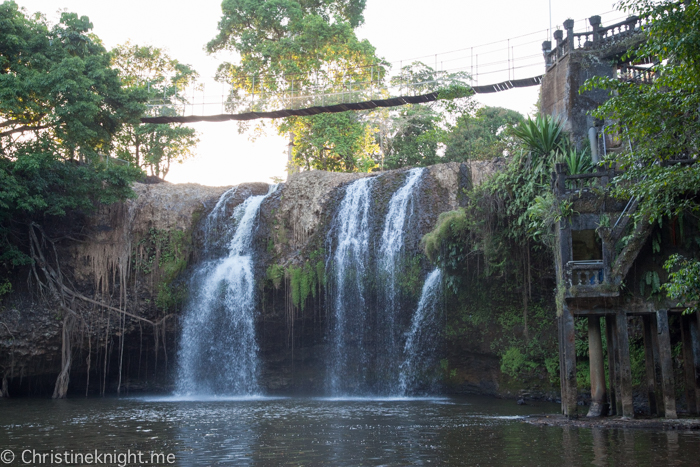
(218, 350)
(390, 263)
(347, 269)
(421, 343)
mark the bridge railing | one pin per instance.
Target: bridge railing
(228, 101)
(599, 36)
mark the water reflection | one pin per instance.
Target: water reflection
(332, 432)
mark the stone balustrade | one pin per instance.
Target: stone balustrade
(585, 273)
(598, 36)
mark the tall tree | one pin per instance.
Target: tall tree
(60, 106)
(292, 49)
(152, 146)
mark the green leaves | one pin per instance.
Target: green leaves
(150, 72)
(541, 136)
(683, 281)
(659, 121)
(481, 135)
(338, 142)
(60, 106)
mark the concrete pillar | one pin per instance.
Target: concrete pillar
(562, 379)
(650, 365)
(614, 394)
(595, 24)
(546, 49)
(568, 372)
(559, 37)
(657, 366)
(688, 366)
(624, 369)
(597, 367)
(695, 340)
(569, 26)
(666, 364)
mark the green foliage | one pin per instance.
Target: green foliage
(163, 79)
(651, 280)
(454, 91)
(295, 46)
(275, 274)
(164, 254)
(5, 287)
(448, 243)
(337, 142)
(482, 135)
(409, 279)
(416, 134)
(61, 104)
(303, 281)
(513, 362)
(578, 162)
(659, 121)
(683, 281)
(412, 135)
(542, 137)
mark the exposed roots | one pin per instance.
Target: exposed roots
(52, 286)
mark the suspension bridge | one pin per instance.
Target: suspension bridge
(503, 62)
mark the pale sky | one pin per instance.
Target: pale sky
(400, 31)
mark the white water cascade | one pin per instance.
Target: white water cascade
(218, 352)
(421, 342)
(390, 264)
(347, 268)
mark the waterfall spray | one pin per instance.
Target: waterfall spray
(218, 350)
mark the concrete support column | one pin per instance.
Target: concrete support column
(695, 340)
(562, 380)
(597, 366)
(568, 371)
(650, 365)
(624, 369)
(666, 364)
(689, 365)
(614, 394)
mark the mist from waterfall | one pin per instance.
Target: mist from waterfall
(218, 352)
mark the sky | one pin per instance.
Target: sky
(447, 34)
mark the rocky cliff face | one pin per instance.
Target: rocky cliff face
(131, 267)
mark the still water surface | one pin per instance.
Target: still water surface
(450, 431)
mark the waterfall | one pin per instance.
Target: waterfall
(218, 352)
(421, 343)
(390, 263)
(347, 269)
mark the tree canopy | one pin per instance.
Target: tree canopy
(482, 134)
(150, 146)
(660, 121)
(61, 104)
(299, 46)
